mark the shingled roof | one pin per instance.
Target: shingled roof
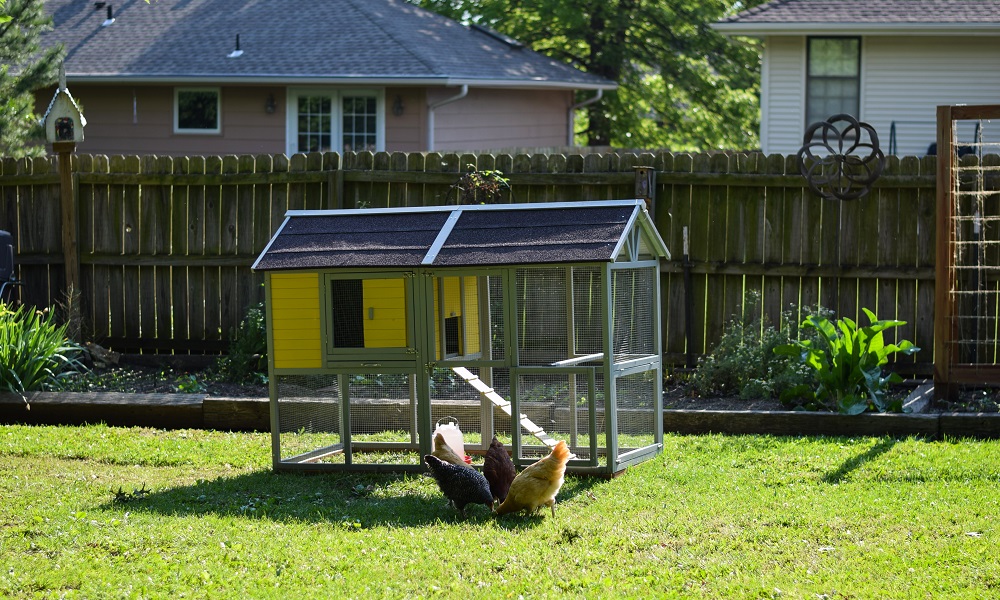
(937, 17)
(384, 42)
(474, 235)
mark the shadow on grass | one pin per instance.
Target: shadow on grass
(354, 501)
(853, 463)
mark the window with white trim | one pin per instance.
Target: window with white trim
(833, 78)
(197, 110)
(322, 120)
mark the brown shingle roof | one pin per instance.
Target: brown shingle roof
(890, 14)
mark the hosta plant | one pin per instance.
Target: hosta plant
(34, 351)
(847, 361)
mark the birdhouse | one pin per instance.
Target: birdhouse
(63, 119)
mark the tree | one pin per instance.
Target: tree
(24, 68)
(682, 85)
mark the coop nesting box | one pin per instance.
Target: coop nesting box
(531, 322)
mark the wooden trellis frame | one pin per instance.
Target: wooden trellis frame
(968, 200)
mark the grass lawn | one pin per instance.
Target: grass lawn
(101, 512)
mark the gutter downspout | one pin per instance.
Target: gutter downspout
(571, 133)
(430, 114)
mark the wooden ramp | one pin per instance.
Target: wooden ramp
(503, 405)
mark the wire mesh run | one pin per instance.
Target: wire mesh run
(636, 410)
(558, 405)
(632, 295)
(309, 415)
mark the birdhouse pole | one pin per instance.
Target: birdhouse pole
(71, 254)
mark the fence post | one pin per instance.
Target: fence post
(71, 253)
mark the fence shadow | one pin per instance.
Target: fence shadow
(881, 447)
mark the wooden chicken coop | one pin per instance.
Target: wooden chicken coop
(531, 322)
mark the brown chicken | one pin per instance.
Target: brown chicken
(443, 451)
(498, 469)
(538, 484)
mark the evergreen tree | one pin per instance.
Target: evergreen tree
(24, 68)
(682, 85)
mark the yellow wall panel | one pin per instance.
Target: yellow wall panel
(295, 320)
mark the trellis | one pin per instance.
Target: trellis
(967, 318)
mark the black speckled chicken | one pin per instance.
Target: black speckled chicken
(498, 469)
(460, 485)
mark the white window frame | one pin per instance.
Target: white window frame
(337, 133)
(218, 111)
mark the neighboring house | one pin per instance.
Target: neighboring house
(270, 76)
(889, 63)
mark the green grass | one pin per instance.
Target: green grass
(100, 512)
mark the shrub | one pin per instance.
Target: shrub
(847, 362)
(744, 362)
(34, 352)
(246, 361)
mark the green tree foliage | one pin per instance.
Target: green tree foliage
(24, 68)
(682, 85)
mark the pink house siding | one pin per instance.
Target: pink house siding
(406, 132)
(501, 118)
(138, 119)
(126, 119)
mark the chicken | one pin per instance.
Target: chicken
(498, 469)
(443, 451)
(538, 484)
(461, 485)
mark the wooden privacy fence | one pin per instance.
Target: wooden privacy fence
(165, 244)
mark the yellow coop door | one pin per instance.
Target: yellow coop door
(368, 313)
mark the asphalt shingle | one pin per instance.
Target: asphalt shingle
(927, 12)
(298, 41)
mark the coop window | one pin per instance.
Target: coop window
(347, 313)
(453, 336)
(833, 80)
(196, 110)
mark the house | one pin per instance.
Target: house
(889, 63)
(536, 321)
(272, 76)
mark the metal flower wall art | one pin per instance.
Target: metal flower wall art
(840, 158)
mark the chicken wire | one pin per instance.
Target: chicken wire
(309, 413)
(632, 294)
(974, 291)
(559, 404)
(636, 410)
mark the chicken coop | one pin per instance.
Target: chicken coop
(529, 322)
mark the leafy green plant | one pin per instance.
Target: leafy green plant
(34, 351)
(246, 361)
(481, 186)
(188, 384)
(744, 362)
(847, 362)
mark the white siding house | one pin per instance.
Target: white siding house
(910, 61)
